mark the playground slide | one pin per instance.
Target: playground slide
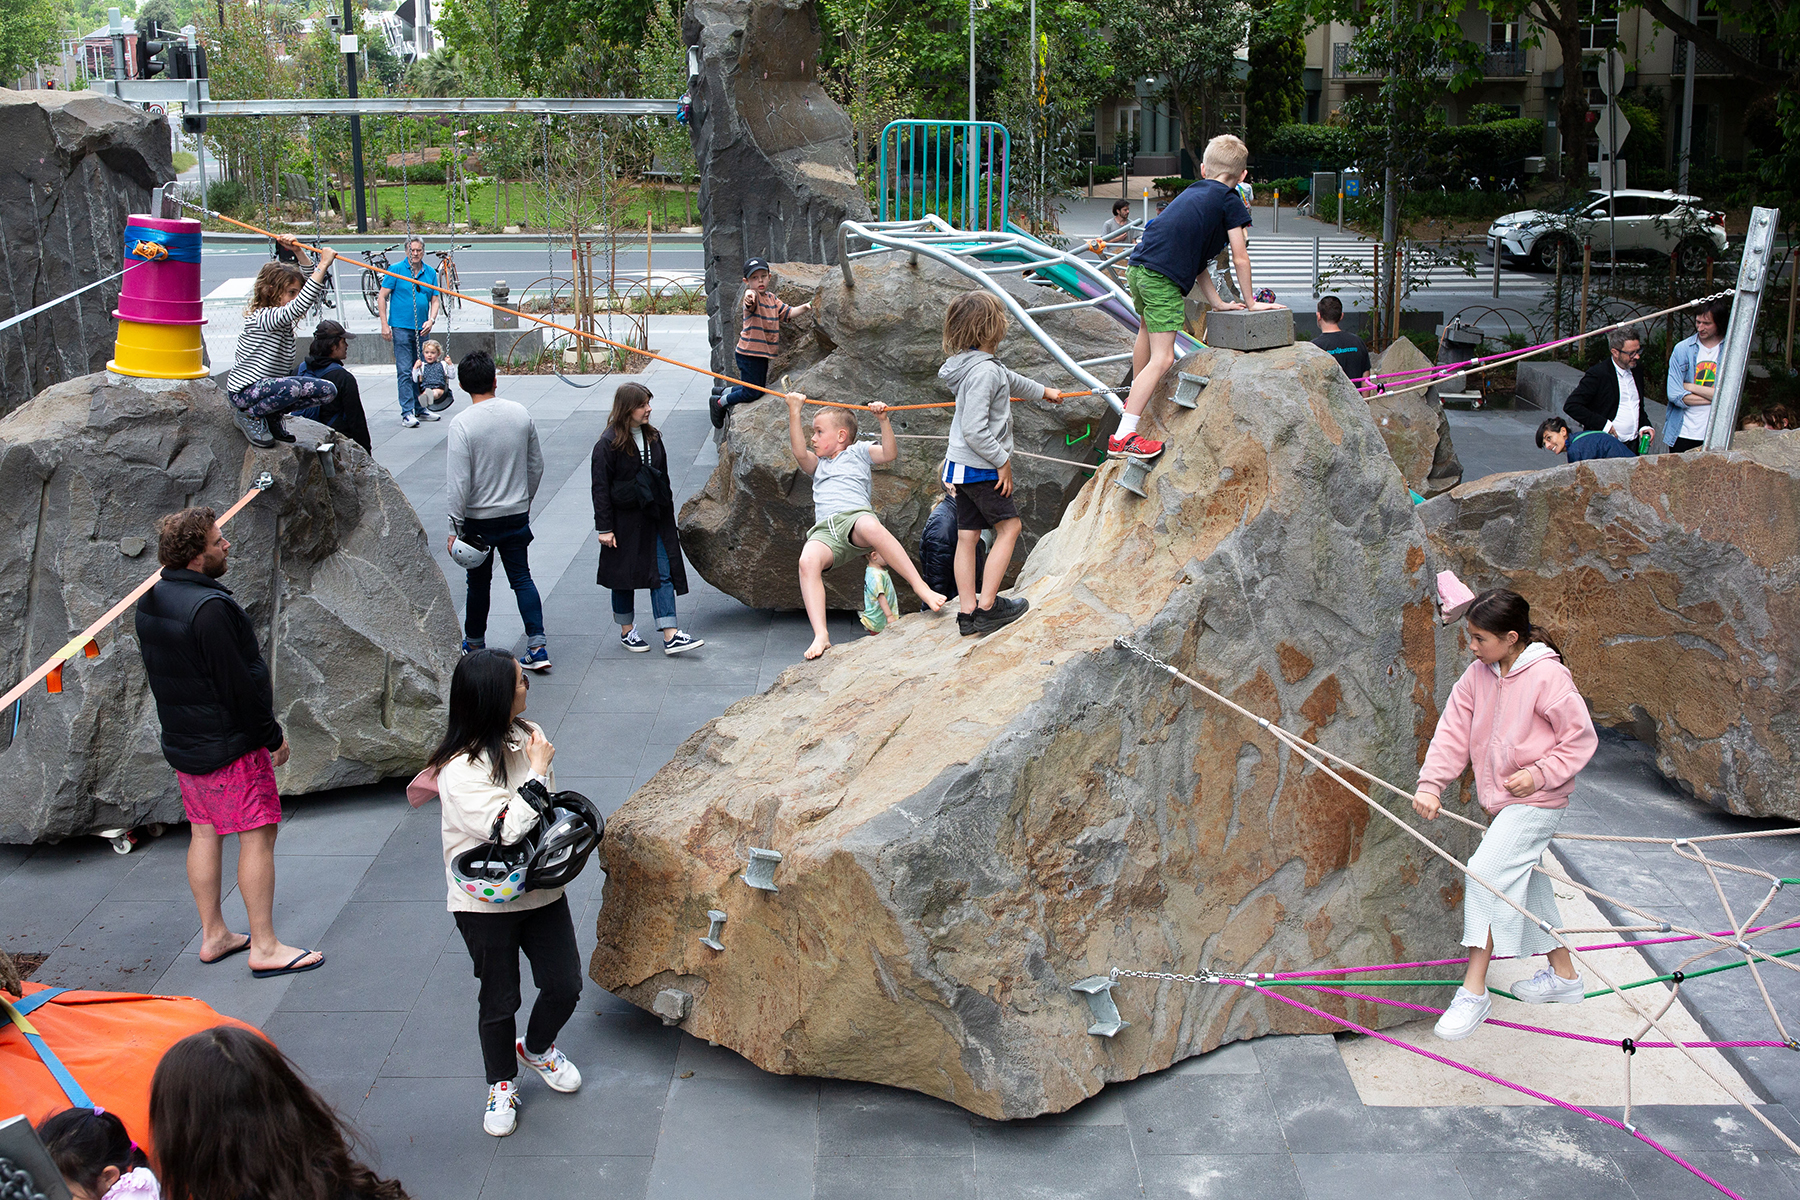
(1079, 288)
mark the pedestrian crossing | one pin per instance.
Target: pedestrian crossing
(1287, 266)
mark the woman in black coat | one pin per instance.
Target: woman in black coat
(634, 513)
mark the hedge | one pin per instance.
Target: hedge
(1497, 144)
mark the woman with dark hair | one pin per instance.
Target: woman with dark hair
(96, 1156)
(1516, 717)
(232, 1119)
(325, 360)
(487, 758)
(634, 513)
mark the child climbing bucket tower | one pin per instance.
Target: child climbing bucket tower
(160, 312)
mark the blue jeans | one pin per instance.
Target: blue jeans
(662, 596)
(509, 536)
(751, 368)
(406, 353)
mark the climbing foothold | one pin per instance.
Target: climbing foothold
(760, 873)
(711, 940)
(1098, 990)
(1187, 389)
(1134, 476)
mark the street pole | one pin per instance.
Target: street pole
(1687, 103)
(1031, 56)
(356, 155)
(1390, 206)
(969, 216)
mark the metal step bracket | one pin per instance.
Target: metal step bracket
(1187, 389)
(711, 940)
(760, 873)
(1135, 475)
(1098, 990)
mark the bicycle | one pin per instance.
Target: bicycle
(371, 281)
(448, 279)
(280, 253)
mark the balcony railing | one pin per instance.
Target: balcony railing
(1502, 59)
(1342, 62)
(1706, 62)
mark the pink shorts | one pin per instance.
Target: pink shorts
(236, 797)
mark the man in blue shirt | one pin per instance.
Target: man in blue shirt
(408, 312)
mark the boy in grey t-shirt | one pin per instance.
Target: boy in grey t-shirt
(845, 525)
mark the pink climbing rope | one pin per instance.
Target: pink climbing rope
(1505, 1083)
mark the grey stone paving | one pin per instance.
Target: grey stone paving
(387, 1028)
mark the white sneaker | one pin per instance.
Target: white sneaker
(410, 421)
(1547, 987)
(425, 414)
(555, 1067)
(1464, 1016)
(502, 1115)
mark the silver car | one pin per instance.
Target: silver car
(1642, 225)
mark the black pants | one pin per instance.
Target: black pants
(1683, 445)
(547, 937)
(752, 368)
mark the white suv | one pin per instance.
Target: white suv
(1642, 225)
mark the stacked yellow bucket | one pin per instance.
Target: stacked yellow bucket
(159, 309)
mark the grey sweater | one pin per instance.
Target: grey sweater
(981, 434)
(492, 463)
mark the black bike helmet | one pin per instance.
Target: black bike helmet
(567, 834)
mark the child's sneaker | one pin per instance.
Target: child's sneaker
(1005, 611)
(536, 659)
(632, 642)
(254, 428)
(555, 1067)
(681, 643)
(425, 414)
(965, 624)
(277, 430)
(715, 409)
(1464, 1016)
(410, 421)
(1133, 445)
(469, 647)
(1547, 987)
(502, 1115)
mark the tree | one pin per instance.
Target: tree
(1276, 89)
(163, 12)
(867, 75)
(27, 28)
(1190, 47)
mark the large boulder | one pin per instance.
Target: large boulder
(883, 340)
(77, 165)
(1413, 424)
(1669, 583)
(777, 175)
(969, 827)
(352, 612)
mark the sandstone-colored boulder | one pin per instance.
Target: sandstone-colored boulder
(1670, 583)
(77, 165)
(1413, 424)
(882, 340)
(353, 613)
(970, 826)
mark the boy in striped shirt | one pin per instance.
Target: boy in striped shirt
(764, 312)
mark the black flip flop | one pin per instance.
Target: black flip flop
(290, 969)
(235, 950)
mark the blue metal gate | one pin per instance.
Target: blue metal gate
(956, 170)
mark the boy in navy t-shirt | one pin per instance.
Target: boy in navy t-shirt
(1170, 258)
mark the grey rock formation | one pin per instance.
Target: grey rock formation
(773, 148)
(969, 827)
(882, 340)
(353, 613)
(1669, 583)
(1414, 425)
(77, 165)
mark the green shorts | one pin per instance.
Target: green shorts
(1157, 300)
(835, 532)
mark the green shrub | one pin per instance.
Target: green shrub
(228, 196)
(1331, 144)
(1291, 187)
(1496, 146)
(416, 173)
(1106, 174)
(1486, 114)
(1171, 185)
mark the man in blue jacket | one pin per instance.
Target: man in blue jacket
(1553, 435)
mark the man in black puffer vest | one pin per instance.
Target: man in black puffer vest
(219, 732)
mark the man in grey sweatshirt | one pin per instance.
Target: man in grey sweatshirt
(492, 468)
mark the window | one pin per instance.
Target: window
(1599, 24)
(1503, 33)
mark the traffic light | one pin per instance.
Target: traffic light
(151, 45)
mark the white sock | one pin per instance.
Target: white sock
(1127, 426)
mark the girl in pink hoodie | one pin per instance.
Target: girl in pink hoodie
(1516, 716)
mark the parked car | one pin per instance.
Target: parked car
(1643, 225)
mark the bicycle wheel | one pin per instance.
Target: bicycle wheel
(371, 290)
(452, 284)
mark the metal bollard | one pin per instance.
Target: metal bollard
(500, 295)
(1275, 225)
(1315, 266)
(1496, 270)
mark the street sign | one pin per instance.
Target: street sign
(1612, 131)
(1611, 73)
(1352, 186)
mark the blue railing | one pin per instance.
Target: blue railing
(957, 170)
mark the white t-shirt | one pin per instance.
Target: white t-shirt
(1625, 422)
(844, 481)
(1695, 420)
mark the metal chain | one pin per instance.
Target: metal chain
(16, 1183)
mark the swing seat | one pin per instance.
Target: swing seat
(103, 1044)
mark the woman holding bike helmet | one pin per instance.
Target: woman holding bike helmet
(493, 776)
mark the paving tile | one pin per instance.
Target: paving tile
(410, 866)
(606, 792)
(909, 1178)
(1220, 1177)
(310, 891)
(1233, 1058)
(1312, 1092)
(868, 1120)
(11, 857)
(122, 945)
(53, 891)
(340, 1055)
(1704, 1128)
(742, 1139)
(160, 870)
(1201, 1114)
(1654, 1177)
(600, 692)
(352, 821)
(1390, 1176)
(1540, 1176)
(1107, 1108)
(379, 957)
(1069, 1162)
(438, 1036)
(427, 1133)
(614, 1176)
(626, 1065)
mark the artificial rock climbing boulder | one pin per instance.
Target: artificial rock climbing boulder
(77, 165)
(971, 826)
(882, 340)
(1413, 424)
(1669, 583)
(351, 610)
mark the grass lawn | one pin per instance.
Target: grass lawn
(183, 161)
(429, 204)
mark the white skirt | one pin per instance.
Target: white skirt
(1513, 844)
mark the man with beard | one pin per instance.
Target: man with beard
(219, 732)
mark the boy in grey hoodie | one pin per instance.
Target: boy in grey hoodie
(979, 459)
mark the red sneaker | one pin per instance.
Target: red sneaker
(1133, 445)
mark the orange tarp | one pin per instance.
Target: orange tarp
(109, 1041)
